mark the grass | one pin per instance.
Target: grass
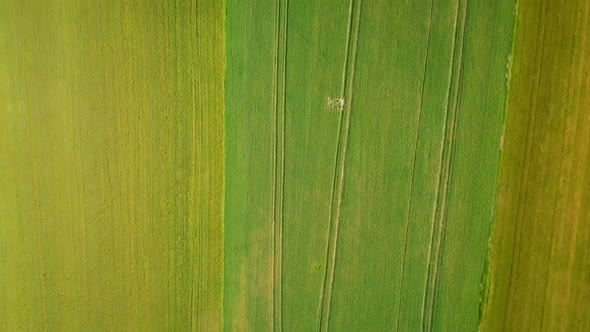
(539, 259)
(111, 165)
(376, 216)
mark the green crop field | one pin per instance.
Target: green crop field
(375, 215)
(296, 165)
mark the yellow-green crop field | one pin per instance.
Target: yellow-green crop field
(540, 252)
(294, 165)
(111, 165)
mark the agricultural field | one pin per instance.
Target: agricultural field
(540, 268)
(375, 215)
(111, 165)
(296, 165)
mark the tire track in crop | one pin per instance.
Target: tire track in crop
(409, 210)
(195, 249)
(282, 8)
(534, 96)
(438, 224)
(339, 167)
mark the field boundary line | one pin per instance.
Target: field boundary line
(417, 138)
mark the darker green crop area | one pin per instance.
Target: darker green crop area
(377, 214)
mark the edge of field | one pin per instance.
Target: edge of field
(485, 278)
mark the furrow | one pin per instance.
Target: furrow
(200, 246)
(194, 312)
(279, 158)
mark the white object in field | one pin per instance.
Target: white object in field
(336, 103)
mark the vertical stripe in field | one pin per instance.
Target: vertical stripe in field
(252, 169)
(282, 10)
